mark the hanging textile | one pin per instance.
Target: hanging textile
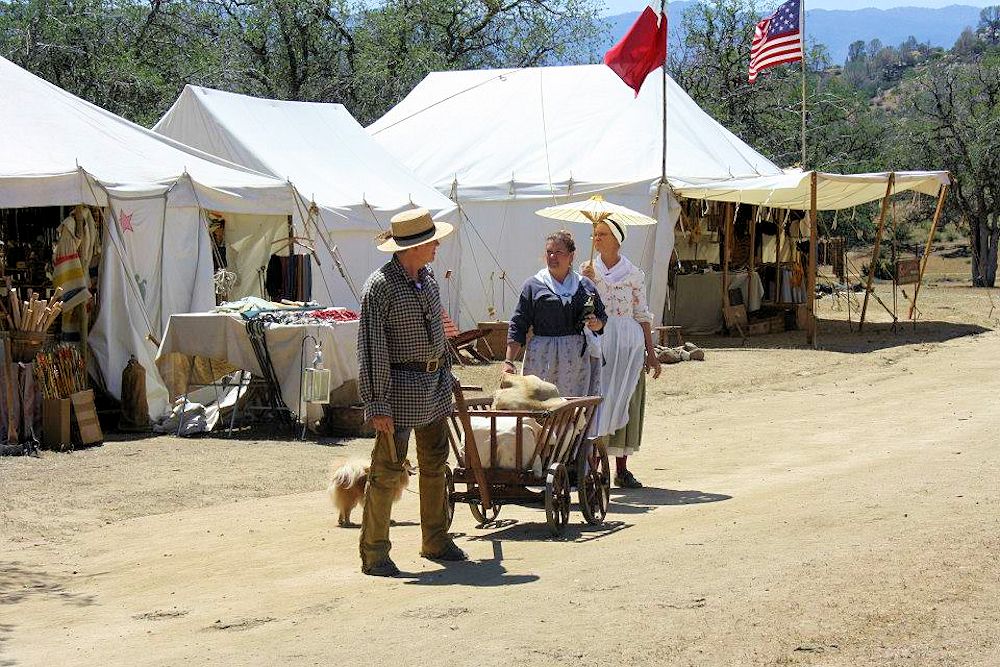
(289, 277)
(68, 272)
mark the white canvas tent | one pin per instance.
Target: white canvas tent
(356, 184)
(61, 150)
(505, 143)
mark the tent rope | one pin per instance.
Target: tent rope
(450, 97)
(378, 223)
(306, 218)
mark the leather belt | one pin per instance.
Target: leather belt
(419, 366)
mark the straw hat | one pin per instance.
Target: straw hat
(412, 228)
(526, 392)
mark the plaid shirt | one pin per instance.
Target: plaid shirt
(401, 322)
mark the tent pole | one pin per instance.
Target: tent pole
(875, 250)
(813, 327)
(726, 227)
(777, 260)
(942, 193)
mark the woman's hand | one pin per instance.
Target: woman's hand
(652, 364)
(593, 323)
(587, 270)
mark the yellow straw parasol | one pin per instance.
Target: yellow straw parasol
(594, 211)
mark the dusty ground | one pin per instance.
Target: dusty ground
(831, 507)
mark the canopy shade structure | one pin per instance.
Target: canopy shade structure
(833, 191)
(504, 143)
(320, 148)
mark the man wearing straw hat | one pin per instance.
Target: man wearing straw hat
(406, 385)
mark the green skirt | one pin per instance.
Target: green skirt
(626, 440)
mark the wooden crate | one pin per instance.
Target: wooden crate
(345, 421)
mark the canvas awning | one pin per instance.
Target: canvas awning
(792, 190)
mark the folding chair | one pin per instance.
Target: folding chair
(462, 340)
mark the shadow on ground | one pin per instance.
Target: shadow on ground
(19, 582)
(484, 573)
(647, 499)
(836, 336)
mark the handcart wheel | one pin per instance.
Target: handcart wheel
(593, 481)
(557, 498)
(449, 491)
(483, 515)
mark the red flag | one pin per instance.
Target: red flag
(641, 50)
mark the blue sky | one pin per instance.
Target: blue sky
(622, 6)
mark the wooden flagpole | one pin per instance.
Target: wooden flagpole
(663, 17)
(802, 36)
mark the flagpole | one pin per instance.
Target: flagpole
(663, 17)
(802, 35)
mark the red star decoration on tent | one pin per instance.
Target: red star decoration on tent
(126, 220)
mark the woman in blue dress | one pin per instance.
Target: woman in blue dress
(565, 314)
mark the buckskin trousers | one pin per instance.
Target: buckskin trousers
(432, 455)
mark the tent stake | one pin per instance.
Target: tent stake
(878, 243)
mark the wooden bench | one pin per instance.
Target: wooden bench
(664, 334)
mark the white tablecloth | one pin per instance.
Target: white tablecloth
(223, 338)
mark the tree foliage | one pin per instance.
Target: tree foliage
(134, 57)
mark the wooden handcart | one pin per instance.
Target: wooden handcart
(563, 459)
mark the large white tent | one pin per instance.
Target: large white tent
(356, 184)
(61, 150)
(504, 143)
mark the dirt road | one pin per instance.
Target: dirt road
(837, 507)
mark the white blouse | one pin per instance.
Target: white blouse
(625, 298)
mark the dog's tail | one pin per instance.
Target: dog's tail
(346, 474)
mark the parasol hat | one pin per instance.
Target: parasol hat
(412, 228)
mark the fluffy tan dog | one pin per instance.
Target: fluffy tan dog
(347, 488)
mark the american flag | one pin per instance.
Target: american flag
(777, 39)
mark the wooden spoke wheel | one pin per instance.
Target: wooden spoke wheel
(593, 482)
(557, 498)
(482, 514)
(449, 494)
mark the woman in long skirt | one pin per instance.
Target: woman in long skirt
(627, 345)
(559, 305)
